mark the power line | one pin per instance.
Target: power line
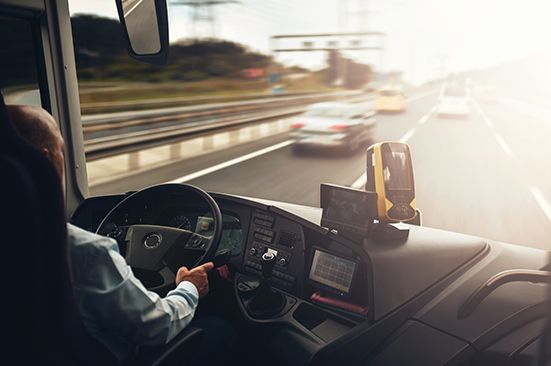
(203, 16)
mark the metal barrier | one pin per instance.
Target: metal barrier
(189, 124)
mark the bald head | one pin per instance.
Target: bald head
(39, 128)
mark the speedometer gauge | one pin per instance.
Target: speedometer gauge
(181, 222)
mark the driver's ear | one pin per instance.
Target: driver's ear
(46, 153)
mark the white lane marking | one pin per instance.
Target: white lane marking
(360, 182)
(542, 202)
(426, 117)
(228, 163)
(133, 8)
(486, 119)
(407, 136)
(504, 145)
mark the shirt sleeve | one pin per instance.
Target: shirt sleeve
(112, 299)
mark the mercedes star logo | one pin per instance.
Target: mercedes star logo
(152, 241)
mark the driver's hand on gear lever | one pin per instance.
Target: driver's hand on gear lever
(197, 276)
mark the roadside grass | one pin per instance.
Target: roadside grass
(113, 96)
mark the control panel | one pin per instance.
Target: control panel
(278, 236)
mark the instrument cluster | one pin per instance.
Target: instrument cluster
(195, 219)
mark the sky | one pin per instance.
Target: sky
(424, 38)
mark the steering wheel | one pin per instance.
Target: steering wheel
(163, 249)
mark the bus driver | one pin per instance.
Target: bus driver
(106, 290)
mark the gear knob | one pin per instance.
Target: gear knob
(268, 263)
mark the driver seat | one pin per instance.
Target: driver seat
(43, 325)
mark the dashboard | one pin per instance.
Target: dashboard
(307, 265)
(312, 269)
(199, 220)
(368, 295)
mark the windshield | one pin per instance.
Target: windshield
(224, 113)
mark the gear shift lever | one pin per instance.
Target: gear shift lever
(268, 263)
(266, 302)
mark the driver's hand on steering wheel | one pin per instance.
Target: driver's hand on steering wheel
(197, 276)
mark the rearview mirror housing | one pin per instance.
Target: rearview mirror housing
(145, 27)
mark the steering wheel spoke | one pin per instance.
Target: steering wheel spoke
(168, 278)
(197, 242)
(118, 233)
(148, 244)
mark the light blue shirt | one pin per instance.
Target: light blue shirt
(115, 306)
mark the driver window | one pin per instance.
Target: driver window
(18, 62)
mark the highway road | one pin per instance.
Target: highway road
(486, 175)
(121, 124)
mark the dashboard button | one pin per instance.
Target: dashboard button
(262, 237)
(196, 243)
(264, 232)
(253, 270)
(264, 217)
(289, 278)
(265, 223)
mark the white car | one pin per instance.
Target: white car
(347, 126)
(454, 101)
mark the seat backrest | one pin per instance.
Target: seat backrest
(42, 322)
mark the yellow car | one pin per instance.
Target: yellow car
(390, 100)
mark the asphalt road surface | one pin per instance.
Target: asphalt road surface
(486, 175)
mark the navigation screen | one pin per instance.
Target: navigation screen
(332, 271)
(351, 207)
(347, 207)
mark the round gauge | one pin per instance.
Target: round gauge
(181, 222)
(235, 239)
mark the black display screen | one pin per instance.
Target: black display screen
(332, 271)
(346, 207)
(350, 207)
